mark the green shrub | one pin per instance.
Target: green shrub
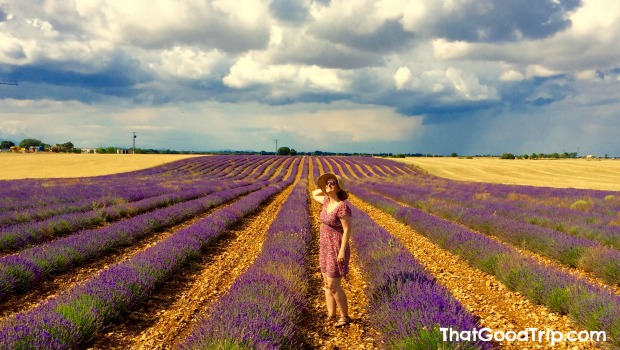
(581, 204)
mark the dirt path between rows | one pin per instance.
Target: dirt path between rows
(359, 334)
(168, 316)
(481, 293)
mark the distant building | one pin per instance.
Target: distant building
(89, 150)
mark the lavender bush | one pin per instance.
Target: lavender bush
(265, 306)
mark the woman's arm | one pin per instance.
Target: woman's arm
(346, 226)
(318, 195)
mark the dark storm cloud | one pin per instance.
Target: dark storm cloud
(536, 92)
(118, 74)
(3, 15)
(388, 37)
(440, 113)
(55, 80)
(507, 20)
(289, 10)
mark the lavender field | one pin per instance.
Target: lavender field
(220, 252)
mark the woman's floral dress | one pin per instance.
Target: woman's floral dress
(331, 238)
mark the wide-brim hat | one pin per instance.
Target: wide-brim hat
(341, 184)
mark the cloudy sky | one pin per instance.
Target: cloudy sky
(411, 76)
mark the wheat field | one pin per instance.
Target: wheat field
(63, 165)
(603, 174)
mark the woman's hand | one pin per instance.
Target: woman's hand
(318, 195)
(341, 256)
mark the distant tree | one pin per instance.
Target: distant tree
(454, 154)
(508, 156)
(284, 151)
(534, 156)
(106, 150)
(6, 144)
(67, 145)
(293, 152)
(525, 156)
(27, 143)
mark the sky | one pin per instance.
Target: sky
(475, 77)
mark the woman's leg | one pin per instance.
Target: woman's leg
(337, 294)
(329, 298)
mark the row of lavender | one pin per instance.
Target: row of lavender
(25, 200)
(23, 271)
(565, 248)
(362, 167)
(590, 306)
(265, 306)
(591, 214)
(14, 237)
(406, 303)
(74, 317)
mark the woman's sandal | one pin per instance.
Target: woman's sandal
(330, 320)
(343, 321)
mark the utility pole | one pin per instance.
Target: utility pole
(276, 141)
(134, 142)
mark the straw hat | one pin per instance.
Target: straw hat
(343, 194)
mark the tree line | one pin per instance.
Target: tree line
(27, 144)
(555, 155)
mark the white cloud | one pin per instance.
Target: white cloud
(445, 50)
(591, 75)
(402, 75)
(247, 72)
(536, 70)
(512, 75)
(188, 62)
(468, 86)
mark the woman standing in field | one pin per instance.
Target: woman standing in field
(334, 249)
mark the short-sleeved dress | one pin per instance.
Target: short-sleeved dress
(330, 240)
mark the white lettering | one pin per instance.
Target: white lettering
(528, 334)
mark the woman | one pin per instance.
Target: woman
(334, 249)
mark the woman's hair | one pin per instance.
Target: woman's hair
(342, 195)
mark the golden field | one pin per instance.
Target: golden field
(603, 174)
(44, 165)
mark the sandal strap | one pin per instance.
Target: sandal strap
(343, 321)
